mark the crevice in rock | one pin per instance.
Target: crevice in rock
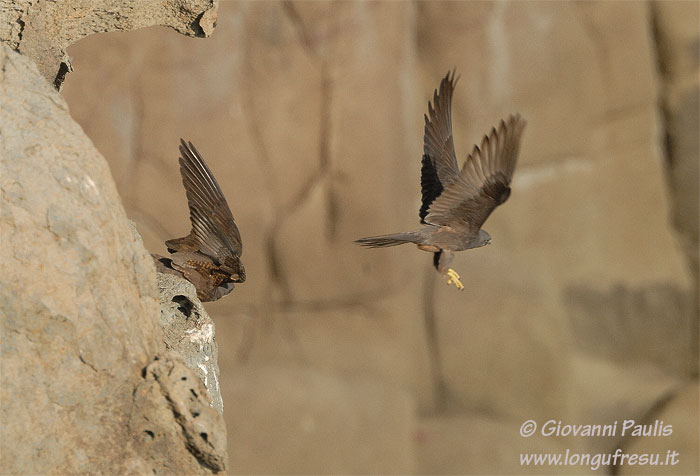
(197, 27)
(64, 68)
(269, 179)
(671, 125)
(332, 208)
(284, 213)
(293, 14)
(184, 305)
(87, 363)
(21, 24)
(287, 210)
(324, 147)
(274, 265)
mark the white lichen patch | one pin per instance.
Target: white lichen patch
(203, 335)
(203, 368)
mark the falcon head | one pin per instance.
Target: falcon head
(482, 239)
(234, 268)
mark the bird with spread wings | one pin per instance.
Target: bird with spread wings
(456, 202)
(210, 256)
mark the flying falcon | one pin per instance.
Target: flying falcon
(210, 256)
(456, 202)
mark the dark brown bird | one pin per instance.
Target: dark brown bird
(456, 203)
(210, 256)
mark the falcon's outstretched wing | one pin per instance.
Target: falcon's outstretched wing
(483, 183)
(437, 138)
(439, 164)
(213, 227)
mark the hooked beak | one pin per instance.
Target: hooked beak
(239, 277)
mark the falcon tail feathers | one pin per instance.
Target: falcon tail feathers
(388, 240)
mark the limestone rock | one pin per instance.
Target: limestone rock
(189, 332)
(650, 324)
(678, 49)
(676, 410)
(43, 30)
(171, 388)
(79, 311)
(461, 444)
(311, 116)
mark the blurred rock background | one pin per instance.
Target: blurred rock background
(584, 309)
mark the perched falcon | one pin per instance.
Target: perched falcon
(210, 256)
(456, 202)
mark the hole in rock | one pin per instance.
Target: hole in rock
(184, 305)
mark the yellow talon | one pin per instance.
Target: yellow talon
(454, 278)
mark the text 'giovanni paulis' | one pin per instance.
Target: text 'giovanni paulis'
(625, 428)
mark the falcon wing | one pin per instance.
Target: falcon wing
(437, 138)
(430, 185)
(483, 183)
(213, 227)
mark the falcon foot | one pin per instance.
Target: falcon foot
(454, 278)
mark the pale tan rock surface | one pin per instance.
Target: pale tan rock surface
(79, 312)
(42, 30)
(450, 443)
(170, 389)
(310, 115)
(678, 411)
(189, 332)
(678, 50)
(315, 423)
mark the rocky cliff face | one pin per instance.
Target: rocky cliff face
(189, 332)
(43, 30)
(310, 114)
(86, 384)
